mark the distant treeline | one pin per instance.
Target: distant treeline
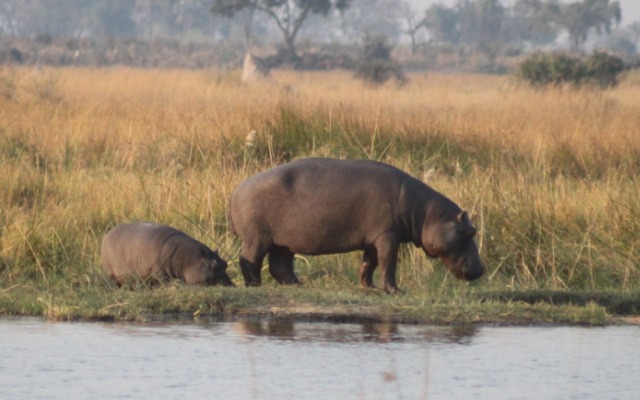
(157, 53)
(471, 35)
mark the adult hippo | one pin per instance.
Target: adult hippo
(155, 252)
(324, 206)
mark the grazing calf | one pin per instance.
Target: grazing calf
(154, 252)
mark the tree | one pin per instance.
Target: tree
(29, 17)
(477, 23)
(442, 23)
(373, 17)
(580, 18)
(623, 41)
(288, 15)
(480, 23)
(412, 26)
(114, 18)
(535, 20)
(172, 18)
(634, 33)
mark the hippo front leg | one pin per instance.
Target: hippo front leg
(387, 249)
(281, 266)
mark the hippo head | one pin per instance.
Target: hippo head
(451, 238)
(208, 269)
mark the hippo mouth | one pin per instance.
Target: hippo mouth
(222, 280)
(463, 268)
(469, 275)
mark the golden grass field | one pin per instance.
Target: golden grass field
(550, 175)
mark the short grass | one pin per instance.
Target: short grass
(550, 178)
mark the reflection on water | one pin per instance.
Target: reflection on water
(269, 360)
(352, 333)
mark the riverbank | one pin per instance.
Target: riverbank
(444, 306)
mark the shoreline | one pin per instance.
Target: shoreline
(449, 306)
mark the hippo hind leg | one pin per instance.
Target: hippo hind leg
(281, 266)
(368, 266)
(251, 264)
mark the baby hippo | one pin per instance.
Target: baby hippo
(153, 252)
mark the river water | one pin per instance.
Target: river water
(285, 360)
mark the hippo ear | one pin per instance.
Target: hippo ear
(469, 229)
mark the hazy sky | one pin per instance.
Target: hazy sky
(630, 8)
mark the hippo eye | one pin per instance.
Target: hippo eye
(471, 231)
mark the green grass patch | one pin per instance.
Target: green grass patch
(453, 304)
(614, 303)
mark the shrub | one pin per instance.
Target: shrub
(603, 69)
(542, 69)
(375, 65)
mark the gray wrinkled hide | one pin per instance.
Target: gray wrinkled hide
(323, 206)
(153, 252)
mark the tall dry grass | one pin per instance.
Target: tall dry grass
(551, 176)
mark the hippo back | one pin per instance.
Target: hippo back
(318, 206)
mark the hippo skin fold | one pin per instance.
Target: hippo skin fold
(324, 206)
